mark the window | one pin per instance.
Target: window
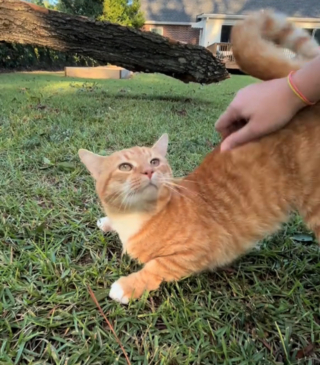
(316, 35)
(309, 30)
(314, 32)
(158, 30)
(225, 33)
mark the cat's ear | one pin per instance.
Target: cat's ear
(92, 162)
(161, 145)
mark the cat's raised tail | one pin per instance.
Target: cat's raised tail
(256, 40)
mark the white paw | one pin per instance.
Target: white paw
(116, 293)
(104, 224)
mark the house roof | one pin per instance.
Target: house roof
(184, 11)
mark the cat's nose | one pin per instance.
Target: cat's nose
(149, 173)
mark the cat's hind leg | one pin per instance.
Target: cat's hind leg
(311, 217)
(104, 224)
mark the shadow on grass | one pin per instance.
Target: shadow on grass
(171, 99)
(48, 85)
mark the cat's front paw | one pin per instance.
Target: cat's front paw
(126, 288)
(117, 293)
(104, 224)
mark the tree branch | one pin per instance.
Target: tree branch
(135, 50)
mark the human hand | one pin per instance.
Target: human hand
(257, 110)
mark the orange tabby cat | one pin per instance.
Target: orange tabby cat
(232, 200)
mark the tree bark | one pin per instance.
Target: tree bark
(135, 50)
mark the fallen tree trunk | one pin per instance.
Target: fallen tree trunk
(135, 50)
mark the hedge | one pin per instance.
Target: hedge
(24, 57)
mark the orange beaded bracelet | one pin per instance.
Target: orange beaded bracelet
(294, 88)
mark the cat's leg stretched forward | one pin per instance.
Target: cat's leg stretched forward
(148, 278)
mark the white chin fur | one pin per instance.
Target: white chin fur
(116, 293)
(148, 193)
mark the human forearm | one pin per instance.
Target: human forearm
(307, 80)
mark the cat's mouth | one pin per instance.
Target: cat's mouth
(151, 184)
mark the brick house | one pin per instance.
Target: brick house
(206, 22)
(168, 18)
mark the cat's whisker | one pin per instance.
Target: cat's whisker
(192, 181)
(190, 191)
(175, 189)
(130, 194)
(125, 202)
(178, 186)
(113, 198)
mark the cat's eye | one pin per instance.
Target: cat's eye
(155, 162)
(125, 167)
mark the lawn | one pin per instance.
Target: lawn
(264, 309)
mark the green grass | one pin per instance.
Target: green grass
(262, 310)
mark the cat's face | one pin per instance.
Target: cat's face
(133, 178)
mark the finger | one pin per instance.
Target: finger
(226, 119)
(238, 138)
(233, 128)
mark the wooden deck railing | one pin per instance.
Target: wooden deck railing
(223, 51)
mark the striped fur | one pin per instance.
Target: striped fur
(232, 200)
